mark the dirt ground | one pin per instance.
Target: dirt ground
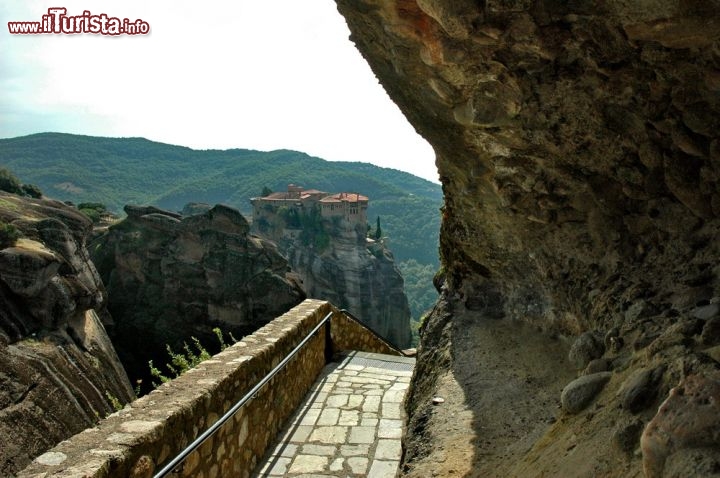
(501, 413)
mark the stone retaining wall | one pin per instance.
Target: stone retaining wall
(347, 334)
(150, 431)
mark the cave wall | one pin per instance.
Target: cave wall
(577, 144)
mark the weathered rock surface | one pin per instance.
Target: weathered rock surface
(352, 274)
(58, 368)
(500, 394)
(586, 348)
(627, 435)
(579, 150)
(364, 281)
(685, 431)
(711, 332)
(575, 144)
(170, 278)
(640, 389)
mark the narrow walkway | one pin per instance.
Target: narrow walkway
(350, 423)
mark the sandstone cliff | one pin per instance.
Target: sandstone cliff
(579, 151)
(59, 372)
(356, 276)
(336, 262)
(170, 278)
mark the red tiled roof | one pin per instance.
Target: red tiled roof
(309, 194)
(344, 197)
(332, 198)
(279, 195)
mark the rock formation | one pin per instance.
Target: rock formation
(59, 373)
(335, 260)
(578, 144)
(356, 276)
(170, 278)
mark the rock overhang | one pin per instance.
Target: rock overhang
(573, 141)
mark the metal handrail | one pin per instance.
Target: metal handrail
(167, 469)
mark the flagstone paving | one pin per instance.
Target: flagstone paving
(350, 423)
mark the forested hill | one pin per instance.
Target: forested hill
(118, 171)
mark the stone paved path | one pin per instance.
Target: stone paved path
(350, 423)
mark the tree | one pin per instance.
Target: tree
(378, 230)
(32, 191)
(9, 183)
(266, 191)
(290, 216)
(8, 235)
(93, 210)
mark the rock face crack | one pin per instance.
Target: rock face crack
(25, 393)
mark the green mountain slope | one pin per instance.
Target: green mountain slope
(118, 171)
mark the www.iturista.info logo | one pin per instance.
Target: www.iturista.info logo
(58, 22)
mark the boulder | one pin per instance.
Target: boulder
(640, 389)
(626, 436)
(706, 312)
(587, 347)
(579, 393)
(28, 267)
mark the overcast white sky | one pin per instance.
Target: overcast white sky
(256, 74)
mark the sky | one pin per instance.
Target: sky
(254, 74)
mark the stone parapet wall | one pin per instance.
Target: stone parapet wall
(136, 441)
(348, 334)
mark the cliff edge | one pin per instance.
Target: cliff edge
(324, 237)
(59, 373)
(358, 276)
(171, 277)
